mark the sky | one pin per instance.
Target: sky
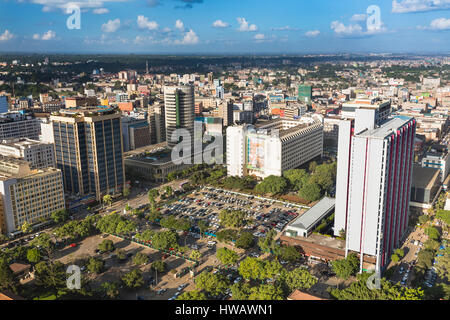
(225, 26)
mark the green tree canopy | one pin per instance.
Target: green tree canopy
(227, 256)
(95, 265)
(213, 284)
(344, 268)
(192, 295)
(140, 259)
(133, 279)
(272, 184)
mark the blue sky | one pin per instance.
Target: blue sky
(231, 26)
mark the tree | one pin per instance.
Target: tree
(213, 284)
(431, 244)
(126, 192)
(159, 266)
(227, 256)
(432, 233)
(203, 226)
(120, 254)
(245, 240)
(290, 253)
(443, 264)
(146, 235)
(241, 291)
(165, 240)
(299, 279)
(251, 268)
(33, 255)
(232, 218)
(423, 219)
(266, 292)
(192, 295)
(106, 246)
(133, 279)
(359, 290)
(195, 255)
(140, 259)
(169, 191)
(110, 289)
(7, 279)
(152, 194)
(444, 215)
(310, 191)
(154, 216)
(272, 184)
(324, 175)
(107, 199)
(312, 166)
(296, 177)
(344, 268)
(51, 275)
(26, 227)
(115, 224)
(267, 243)
(95, 265)
(44, 242)
(395, 258)
(60, 216)
(425, 258)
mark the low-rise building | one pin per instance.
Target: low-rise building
(27, 195)
(38, 154)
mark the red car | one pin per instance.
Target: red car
(73, 245)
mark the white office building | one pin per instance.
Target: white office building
(374, 174)
(38, 154)
(273, 147)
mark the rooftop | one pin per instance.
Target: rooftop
(386, 128)
(315, 213)
(424, 177)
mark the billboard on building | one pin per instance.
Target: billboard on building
(256, 146)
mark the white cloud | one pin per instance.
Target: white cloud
(166, 29)
(179, 25)
(259, 36)
(440, 24)
(405, 6)
(189, 38)
(49, 35)
(359, 17)
(6, 35)
(355, 30)
(50, 5)
(111, 25)
(244, 26)
(144, 23)
(312, 33)
(340, 29)
(220, 24)
(286, 28)
(100, 11)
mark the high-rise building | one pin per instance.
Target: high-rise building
(374, 173)
(157, 122)
(27, 195)
(305, 94)
(38, 154)
(272, 148)
(89, 150)
(4, 104)
(225, 111)
(179, 111)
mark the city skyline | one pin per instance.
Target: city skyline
(212, 27)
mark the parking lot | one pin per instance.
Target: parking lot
(206, 204)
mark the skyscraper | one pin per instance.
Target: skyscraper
(373, 184)
(179, 111)
(89, 151)
(305, 94)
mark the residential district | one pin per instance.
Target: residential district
(298, 178)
